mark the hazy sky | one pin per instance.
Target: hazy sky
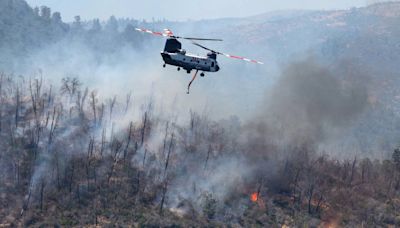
(183, 9)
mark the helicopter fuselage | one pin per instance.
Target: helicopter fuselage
(190, 62)
(174, 55)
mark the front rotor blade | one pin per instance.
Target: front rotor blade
(169, 33)
(151, 32)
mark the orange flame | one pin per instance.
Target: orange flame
(254, 197)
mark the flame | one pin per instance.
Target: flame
(254, 197)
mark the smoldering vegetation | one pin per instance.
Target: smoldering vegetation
(71, 158)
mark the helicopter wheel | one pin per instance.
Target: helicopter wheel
(164, 65)
(202, 74)
(188, 71)
(179, 68)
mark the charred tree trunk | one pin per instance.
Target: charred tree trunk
(165, 139)
(208, 156)
(42, 186)
(353, 169)
(71, 177)
(310, 197)
(128, 141)
(116, 146)
(165, 185)
(319, 203)
(112, 104)
(144, 128)
(89, 160)
(93, 102)
(164, 192)
(17, 104)
(128, 102)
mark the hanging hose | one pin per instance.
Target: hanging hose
(190, 83)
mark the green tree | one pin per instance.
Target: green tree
(45, 12)
(209, 206)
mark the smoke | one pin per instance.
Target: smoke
(310, 102)
(310, 105)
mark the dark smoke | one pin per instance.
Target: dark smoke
(310, 102)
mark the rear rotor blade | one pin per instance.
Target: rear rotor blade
(242, 58)
(206, 48)
(192, 38)
(228, 55)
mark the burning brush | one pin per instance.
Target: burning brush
(255, 197)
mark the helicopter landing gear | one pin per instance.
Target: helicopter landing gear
(202, 74)
(188, 71)
(164, 65)
(190, 83)
(179, 68)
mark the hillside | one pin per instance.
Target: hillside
(26, 31)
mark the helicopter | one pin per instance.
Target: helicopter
(174, 55)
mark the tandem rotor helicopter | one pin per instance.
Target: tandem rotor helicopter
(174, 55)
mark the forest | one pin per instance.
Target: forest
(71, 159)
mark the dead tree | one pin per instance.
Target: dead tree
(89, 161)
(58, 173)
(143, 131)
(112, 104)
(128, 140)
(165, 184)
(103, 142)
(171, 144)
(101, 114)
(70, 86)
(1, 100)
(259, 188)
(115, 150)
(165, 139)
(93, 103)
(295, 186)
(164, 192)
(54, 123)
(321, 197)
(42, 186)
(208, 156)
(310, 194)
(17, 106)
(353, 170)
(71, 176)
(138, 178)
(80, 101)
(25, 206)
(128, 102)
(35, 89)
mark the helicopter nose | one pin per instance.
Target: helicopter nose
(217, 68)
